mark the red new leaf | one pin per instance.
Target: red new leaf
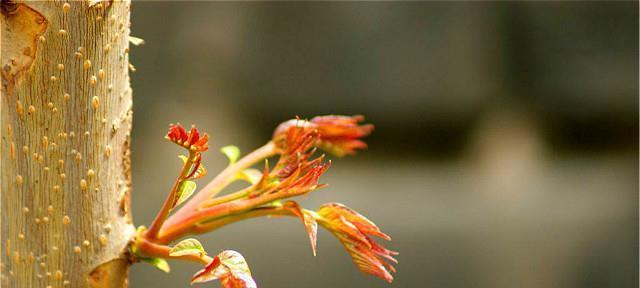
(230, 267)
(192, 140)
(307, 219)
(354, 230)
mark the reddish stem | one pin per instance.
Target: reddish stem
(216, 185)
(227, 197)
(185, 223)
(259, 212)
(147, 248)
(199, 228)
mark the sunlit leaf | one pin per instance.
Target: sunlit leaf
(232, 153)
(308, 220)
(230, 267)
(159, 263)
(276, 203)
(136, 41)
(251, 175)
(185, 191)
(187, 247)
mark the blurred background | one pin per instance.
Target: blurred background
(506, 144)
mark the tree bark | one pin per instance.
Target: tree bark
(66, 122)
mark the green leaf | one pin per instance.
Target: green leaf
(186, 189)
(136, 41)
(251, 175)
(187, 247)
(159, 263)
(232, 152)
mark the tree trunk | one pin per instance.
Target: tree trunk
(66, 122)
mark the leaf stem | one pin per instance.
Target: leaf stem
(258, 212)
(170, 201)
(227, 198)
(203, 227)
(150, 249)
(238, 207)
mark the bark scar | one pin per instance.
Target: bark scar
(110, 274)
(22, 27)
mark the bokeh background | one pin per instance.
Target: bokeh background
(506, 144)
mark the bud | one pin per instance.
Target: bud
(340, 135)
(192, 140)
(336, 134)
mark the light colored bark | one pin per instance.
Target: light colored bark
(66, 122)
